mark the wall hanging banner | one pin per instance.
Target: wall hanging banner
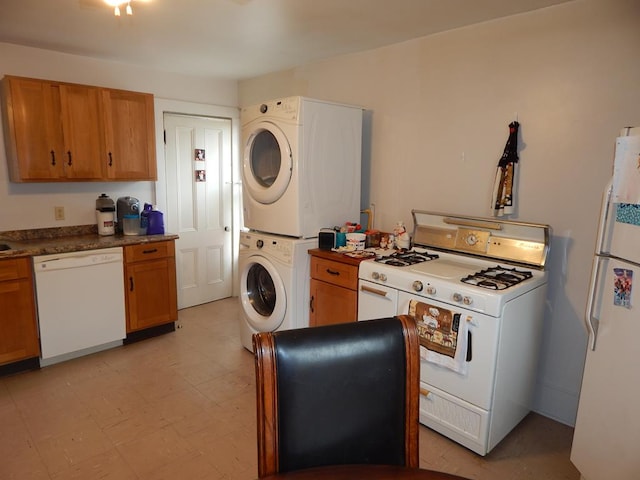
(503, 200)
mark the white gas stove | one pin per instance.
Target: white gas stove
(477, 290)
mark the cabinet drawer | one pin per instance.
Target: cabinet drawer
(336, 273)
(14, 268)
(148, 251)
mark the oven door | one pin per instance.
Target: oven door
(475, 386)
(268, 162)
(376, 301)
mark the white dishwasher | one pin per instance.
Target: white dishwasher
(81, 306)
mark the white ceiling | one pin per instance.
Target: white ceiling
(237, 39)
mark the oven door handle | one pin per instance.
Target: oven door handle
(469, 346)
(375, 291)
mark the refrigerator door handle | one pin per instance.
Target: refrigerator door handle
(591, 321)
(604, 214)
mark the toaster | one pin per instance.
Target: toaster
(327, 239)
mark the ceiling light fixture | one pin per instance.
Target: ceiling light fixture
(116, 6)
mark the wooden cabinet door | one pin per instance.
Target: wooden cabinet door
(331, 304)
(82, 129)
(129, 135)
(34, 141)
(150, 285)
(18, 330)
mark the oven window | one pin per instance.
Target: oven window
(265, 158)
(260, 290)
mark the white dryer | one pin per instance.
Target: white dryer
(274, 283)
(301, 165)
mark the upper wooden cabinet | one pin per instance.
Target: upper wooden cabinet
(81, 132)
(129, 135)
(57, 131)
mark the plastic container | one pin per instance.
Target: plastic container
(355, 241)
(156, 223)
(131, 224)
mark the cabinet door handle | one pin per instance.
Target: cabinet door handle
(69, 154)
(131, 284)
(153, 250)
(53, 158)
(332, 272)
(110, 160)
(311, 304)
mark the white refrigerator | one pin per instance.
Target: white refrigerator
(606, 442)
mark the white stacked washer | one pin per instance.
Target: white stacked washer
(301, 165)
(274, 283)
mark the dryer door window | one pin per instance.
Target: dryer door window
(263, 296)
(268, 163)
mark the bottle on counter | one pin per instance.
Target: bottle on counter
(144, 218)
(156, 223)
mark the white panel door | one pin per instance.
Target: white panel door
(199, 205)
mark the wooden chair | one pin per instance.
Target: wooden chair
(338, 394)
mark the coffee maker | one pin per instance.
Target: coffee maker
(126, 206)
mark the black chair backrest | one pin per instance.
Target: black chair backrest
(342, 394)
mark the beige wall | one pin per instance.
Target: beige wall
(439, 109)
(25, 205)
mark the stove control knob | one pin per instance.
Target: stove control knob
(431, 290)
(383, 277)
(375, 275)
(467, 300)
(457, 297)
(471, 239)
(417, 286)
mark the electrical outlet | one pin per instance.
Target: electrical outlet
(59, 213)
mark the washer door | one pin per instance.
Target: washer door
(268, 163)
(262, 293)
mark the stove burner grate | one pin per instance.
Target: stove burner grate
(403, 259)
(497, 278)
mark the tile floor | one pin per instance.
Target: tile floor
(181, 406)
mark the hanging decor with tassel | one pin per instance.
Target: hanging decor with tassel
(503, 200)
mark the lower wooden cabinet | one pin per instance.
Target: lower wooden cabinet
(18, 328)
(333, 291)
(150, 285)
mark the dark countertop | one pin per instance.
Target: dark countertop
(337, 256)
(27, 243)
